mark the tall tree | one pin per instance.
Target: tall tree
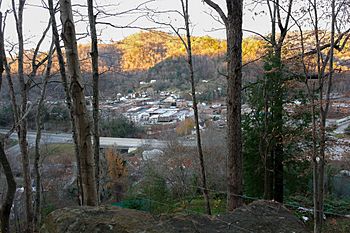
(187, 43)
(87, 164)
(68, 98)
(5, 209)
(21, 120)
(274, 181)
(95, 81)
(21, 111)
(318, 75)
(188, 46)
(233, 23)
(39, 126)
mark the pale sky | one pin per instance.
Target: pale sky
(36, 18)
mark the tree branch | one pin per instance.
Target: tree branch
(217, 8)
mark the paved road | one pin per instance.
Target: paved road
(341, 124)
(120, 143)
(341, 128)
(54, 138)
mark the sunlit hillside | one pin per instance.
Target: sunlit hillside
(144, 50)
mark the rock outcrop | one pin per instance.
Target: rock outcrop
(258, 217)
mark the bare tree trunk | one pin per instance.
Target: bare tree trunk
(314, 161)
(22, 126)
(233, 23)
(10, 194)
(37, 211)
(324, 61)
(195, 107)
(324, 109)
(234, 86)
(67, 97)
(264, 148)
(5, 209)
(95, 88)
(79, 105)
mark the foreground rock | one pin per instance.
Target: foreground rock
(258, 217)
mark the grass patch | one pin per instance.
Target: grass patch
(342, 136)
(197, 205)
(53, 149)
(332, 205)
(333, 225)
(56, 153)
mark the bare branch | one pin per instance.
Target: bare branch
(218, 9)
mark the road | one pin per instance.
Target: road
(56, 138)
(120, 143)
(340, 124)
(341, 127)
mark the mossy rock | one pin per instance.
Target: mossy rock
(258, 217)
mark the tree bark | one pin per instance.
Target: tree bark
(95, 88)
(277, 115)
(38, 197)
(314, 163)
(268, 177)
(22, 126)
(195, 107)
(79, 105)
(5, 209)
(324, 87)
(233, 23)
(67, 97)
(10, 194)
(234, 86)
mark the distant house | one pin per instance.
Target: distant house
(181, 103)
(133, 114)
(152, 110)
(183, 114)
(170, 99)
(141, 101)
(168, 116)
(153, 119)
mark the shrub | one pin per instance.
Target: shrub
(119, 127)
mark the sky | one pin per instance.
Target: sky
(36, 19)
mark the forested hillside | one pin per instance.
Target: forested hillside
(158, 55)
(143, 51)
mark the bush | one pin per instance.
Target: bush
(6, 116)
(185, 127)
(151, 194)
(119, 127)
